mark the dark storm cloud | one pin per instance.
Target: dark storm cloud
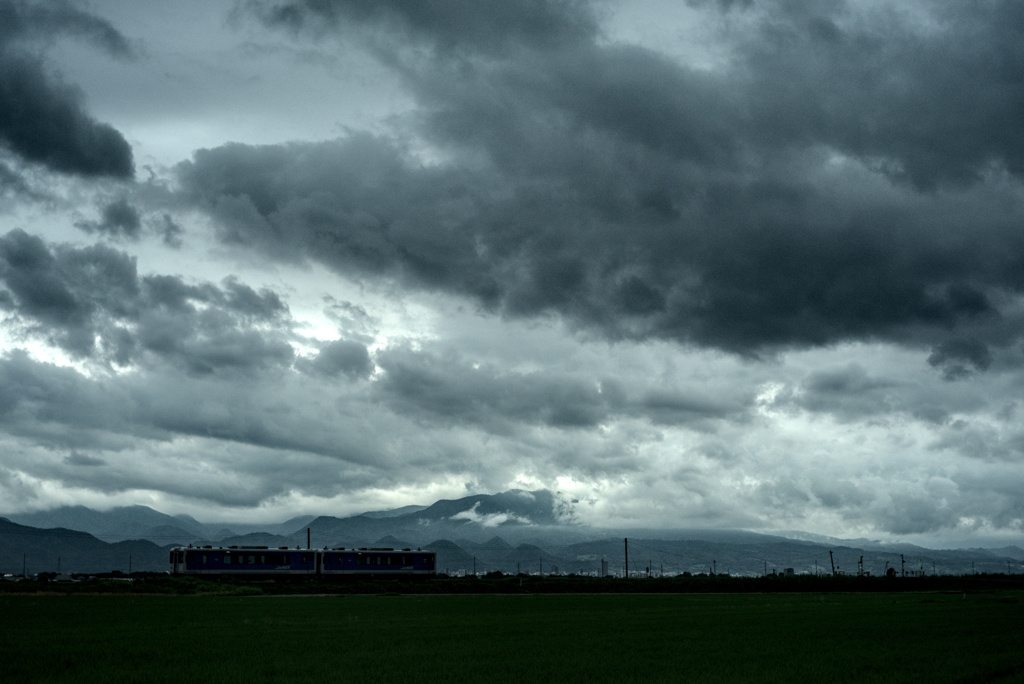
(686, 408)
(92, 303)
(340, 357)
(78, 459)
(170, 232)
(960, 357)
(118, 219)
(59, 407)
(11, 182)
(849, 393)
(724, 4)
(446, 387)
(206, 329)
(847, 177)
(59, 294)
(22, 19)
(42, 119)
(931, 106)
(451, 26)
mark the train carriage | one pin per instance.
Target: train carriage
(261, 561)
(242, 560)
(378, 562)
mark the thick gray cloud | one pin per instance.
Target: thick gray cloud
(42, 119)
(718, 262)
(118, 219)
(441, 386)
(341, 357)
(450, 27)
(25, 19)
(779, 203)
(959, 357)
(92, 303)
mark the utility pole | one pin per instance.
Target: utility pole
(903, 568)
(832, 561)
(714, 567)
(625, 541)
(307, 539)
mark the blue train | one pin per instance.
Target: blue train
(261, 561)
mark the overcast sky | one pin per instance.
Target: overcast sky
(716, 263)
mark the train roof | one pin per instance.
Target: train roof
(288, 548)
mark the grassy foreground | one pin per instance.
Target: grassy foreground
(554, 638)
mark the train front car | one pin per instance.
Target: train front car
(378, 562)
(243, 561)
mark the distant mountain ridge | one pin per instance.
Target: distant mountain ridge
(518, 530)
(141, 522)
(36, 550)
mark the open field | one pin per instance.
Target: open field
(563, 638)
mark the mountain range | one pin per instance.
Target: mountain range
(514, 531)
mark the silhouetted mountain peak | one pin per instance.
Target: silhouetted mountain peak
(394, 512)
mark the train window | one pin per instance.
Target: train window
(252, 560)
(204, 559)
(360, 560)
(227, 559)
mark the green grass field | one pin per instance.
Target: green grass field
(539, 638)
